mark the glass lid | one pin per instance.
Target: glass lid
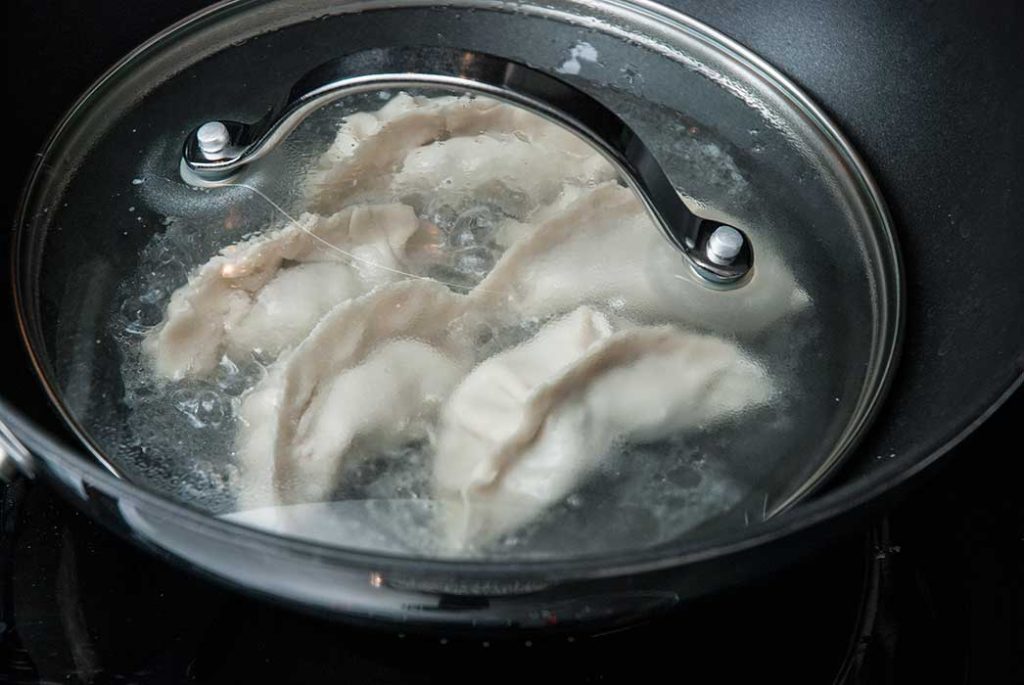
(483, 280)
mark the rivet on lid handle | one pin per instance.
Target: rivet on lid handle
(212, 137)
(219, 150)
(724, 245)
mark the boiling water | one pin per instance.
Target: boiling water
(644, 494)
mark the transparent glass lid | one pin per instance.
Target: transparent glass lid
(436, 324)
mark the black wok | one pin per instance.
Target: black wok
(934, 115)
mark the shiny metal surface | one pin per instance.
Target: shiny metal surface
(15, 459)
(218, 151)
(212, 137)
(725, 244)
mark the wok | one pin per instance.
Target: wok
(944, 159)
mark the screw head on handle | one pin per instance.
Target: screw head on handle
(213, 137)
(724, 245)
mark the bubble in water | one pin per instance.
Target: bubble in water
(475, 226)
(208, 477)
(684, 476)
(632, 76)
(460, 239)
(153, 296)
(400, 473)
(442, 214)
(474, 262)
(233, 380)
(203, 409)
(142, 313)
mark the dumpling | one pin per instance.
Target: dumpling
(386, 400)
(515, 173)
(527, 425)
(602, 248)
(370, 145)
(372, 374)
(268, 292)
(492, 402)
(288, 306)
(455, 150)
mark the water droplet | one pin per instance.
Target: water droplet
(474, 262)
(632, 76)
(474, 226)
(203, 409)
(141, 314)
(442, 214)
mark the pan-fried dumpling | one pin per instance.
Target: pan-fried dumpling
(266, 293)
(527, 425)
(456, 150)
(371, 374)
(602, 248)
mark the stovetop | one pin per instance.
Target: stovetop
(932, 592)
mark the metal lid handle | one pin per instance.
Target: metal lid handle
(15, 459)
(218, 150)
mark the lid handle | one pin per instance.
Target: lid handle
(15, 459)
(218, 150)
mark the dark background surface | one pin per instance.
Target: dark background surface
(950, 605)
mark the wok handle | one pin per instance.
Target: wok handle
(218, 150)
(15, 459)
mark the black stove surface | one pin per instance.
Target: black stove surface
(932, 593)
